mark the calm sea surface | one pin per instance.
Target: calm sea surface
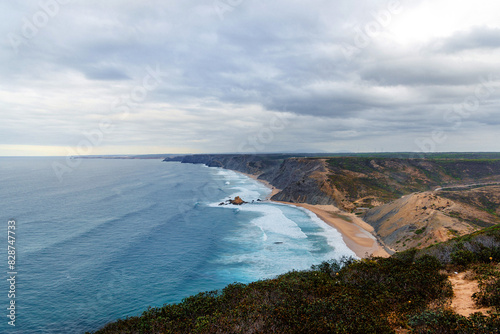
(113, 237)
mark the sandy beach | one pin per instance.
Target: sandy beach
(357, 234)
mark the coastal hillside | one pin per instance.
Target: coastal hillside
(422, 219)
(409, 202)
(370, 182)
(451, 287)
(354, 182)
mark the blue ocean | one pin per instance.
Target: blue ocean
(112, 237)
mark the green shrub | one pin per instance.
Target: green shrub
(489, 286)
(481, 246)
(333, 266)
(447, 321)
(463, 257)
(420, 230)
(398, 284)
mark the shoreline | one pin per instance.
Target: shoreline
(357, 235)
(274, 190)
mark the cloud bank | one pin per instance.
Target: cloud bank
(248, 75)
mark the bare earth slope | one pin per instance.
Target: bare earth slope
(416, 203)
(369, 182)
(418, 220)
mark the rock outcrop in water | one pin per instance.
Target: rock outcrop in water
(236, 201)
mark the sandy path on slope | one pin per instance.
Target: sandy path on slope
(463, 289)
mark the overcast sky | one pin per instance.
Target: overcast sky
(193, 76)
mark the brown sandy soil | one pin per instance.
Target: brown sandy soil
(425, 212)
(463, 289)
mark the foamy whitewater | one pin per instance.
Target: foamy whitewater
(295, 236)
(116, 236)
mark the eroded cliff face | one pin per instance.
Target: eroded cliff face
(301, 181)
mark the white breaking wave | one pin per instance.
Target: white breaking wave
(236, 184)
(274, 221)
(333, 237)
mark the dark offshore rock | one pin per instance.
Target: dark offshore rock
(236, 201)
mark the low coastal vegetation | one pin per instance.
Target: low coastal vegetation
(409, 292)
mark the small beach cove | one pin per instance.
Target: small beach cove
(357, 234)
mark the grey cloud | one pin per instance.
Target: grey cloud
(105, 73)
(479, 37)
(426, 70)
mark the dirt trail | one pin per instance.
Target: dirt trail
(463, 288)
(465, 186)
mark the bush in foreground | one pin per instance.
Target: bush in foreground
(353, 296)
(448, 322)
(488, 278)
